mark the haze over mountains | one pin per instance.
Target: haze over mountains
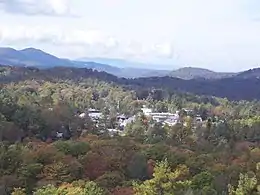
(38, 58)
(120, 63)
(118, 67)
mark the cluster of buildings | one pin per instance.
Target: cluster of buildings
(165, 118)
(168, 118)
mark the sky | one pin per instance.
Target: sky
(222, 35)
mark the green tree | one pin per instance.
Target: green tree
(28, 175)
(247, 184)
(89, 188)
(74, 148)
(137, 129)
(110, 179)
(164, 181)
(18, 191)
(137, 167)
(203, 182)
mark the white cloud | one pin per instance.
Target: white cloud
(164, 49)
(218, 34)
(52, 35)
(36, 7)
(92, 42)
(142, 51)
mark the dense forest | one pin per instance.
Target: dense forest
(219, 156)
(243, 86)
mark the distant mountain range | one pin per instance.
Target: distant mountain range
(252, 73)
(126, 72)
(30, 57)
(189, 73)
(118, 67)
(40, 59)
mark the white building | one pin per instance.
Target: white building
(171, 122)
(82, 115)
(127, 121)
(147, 111)
(94, 114)
(121, 118)
(160, 117)
(198, 119)
(188, 111)
(59, 135)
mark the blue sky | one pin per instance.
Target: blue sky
(223, 35)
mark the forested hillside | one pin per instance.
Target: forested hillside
(234, 88)
(219, 155)
(188, 73)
